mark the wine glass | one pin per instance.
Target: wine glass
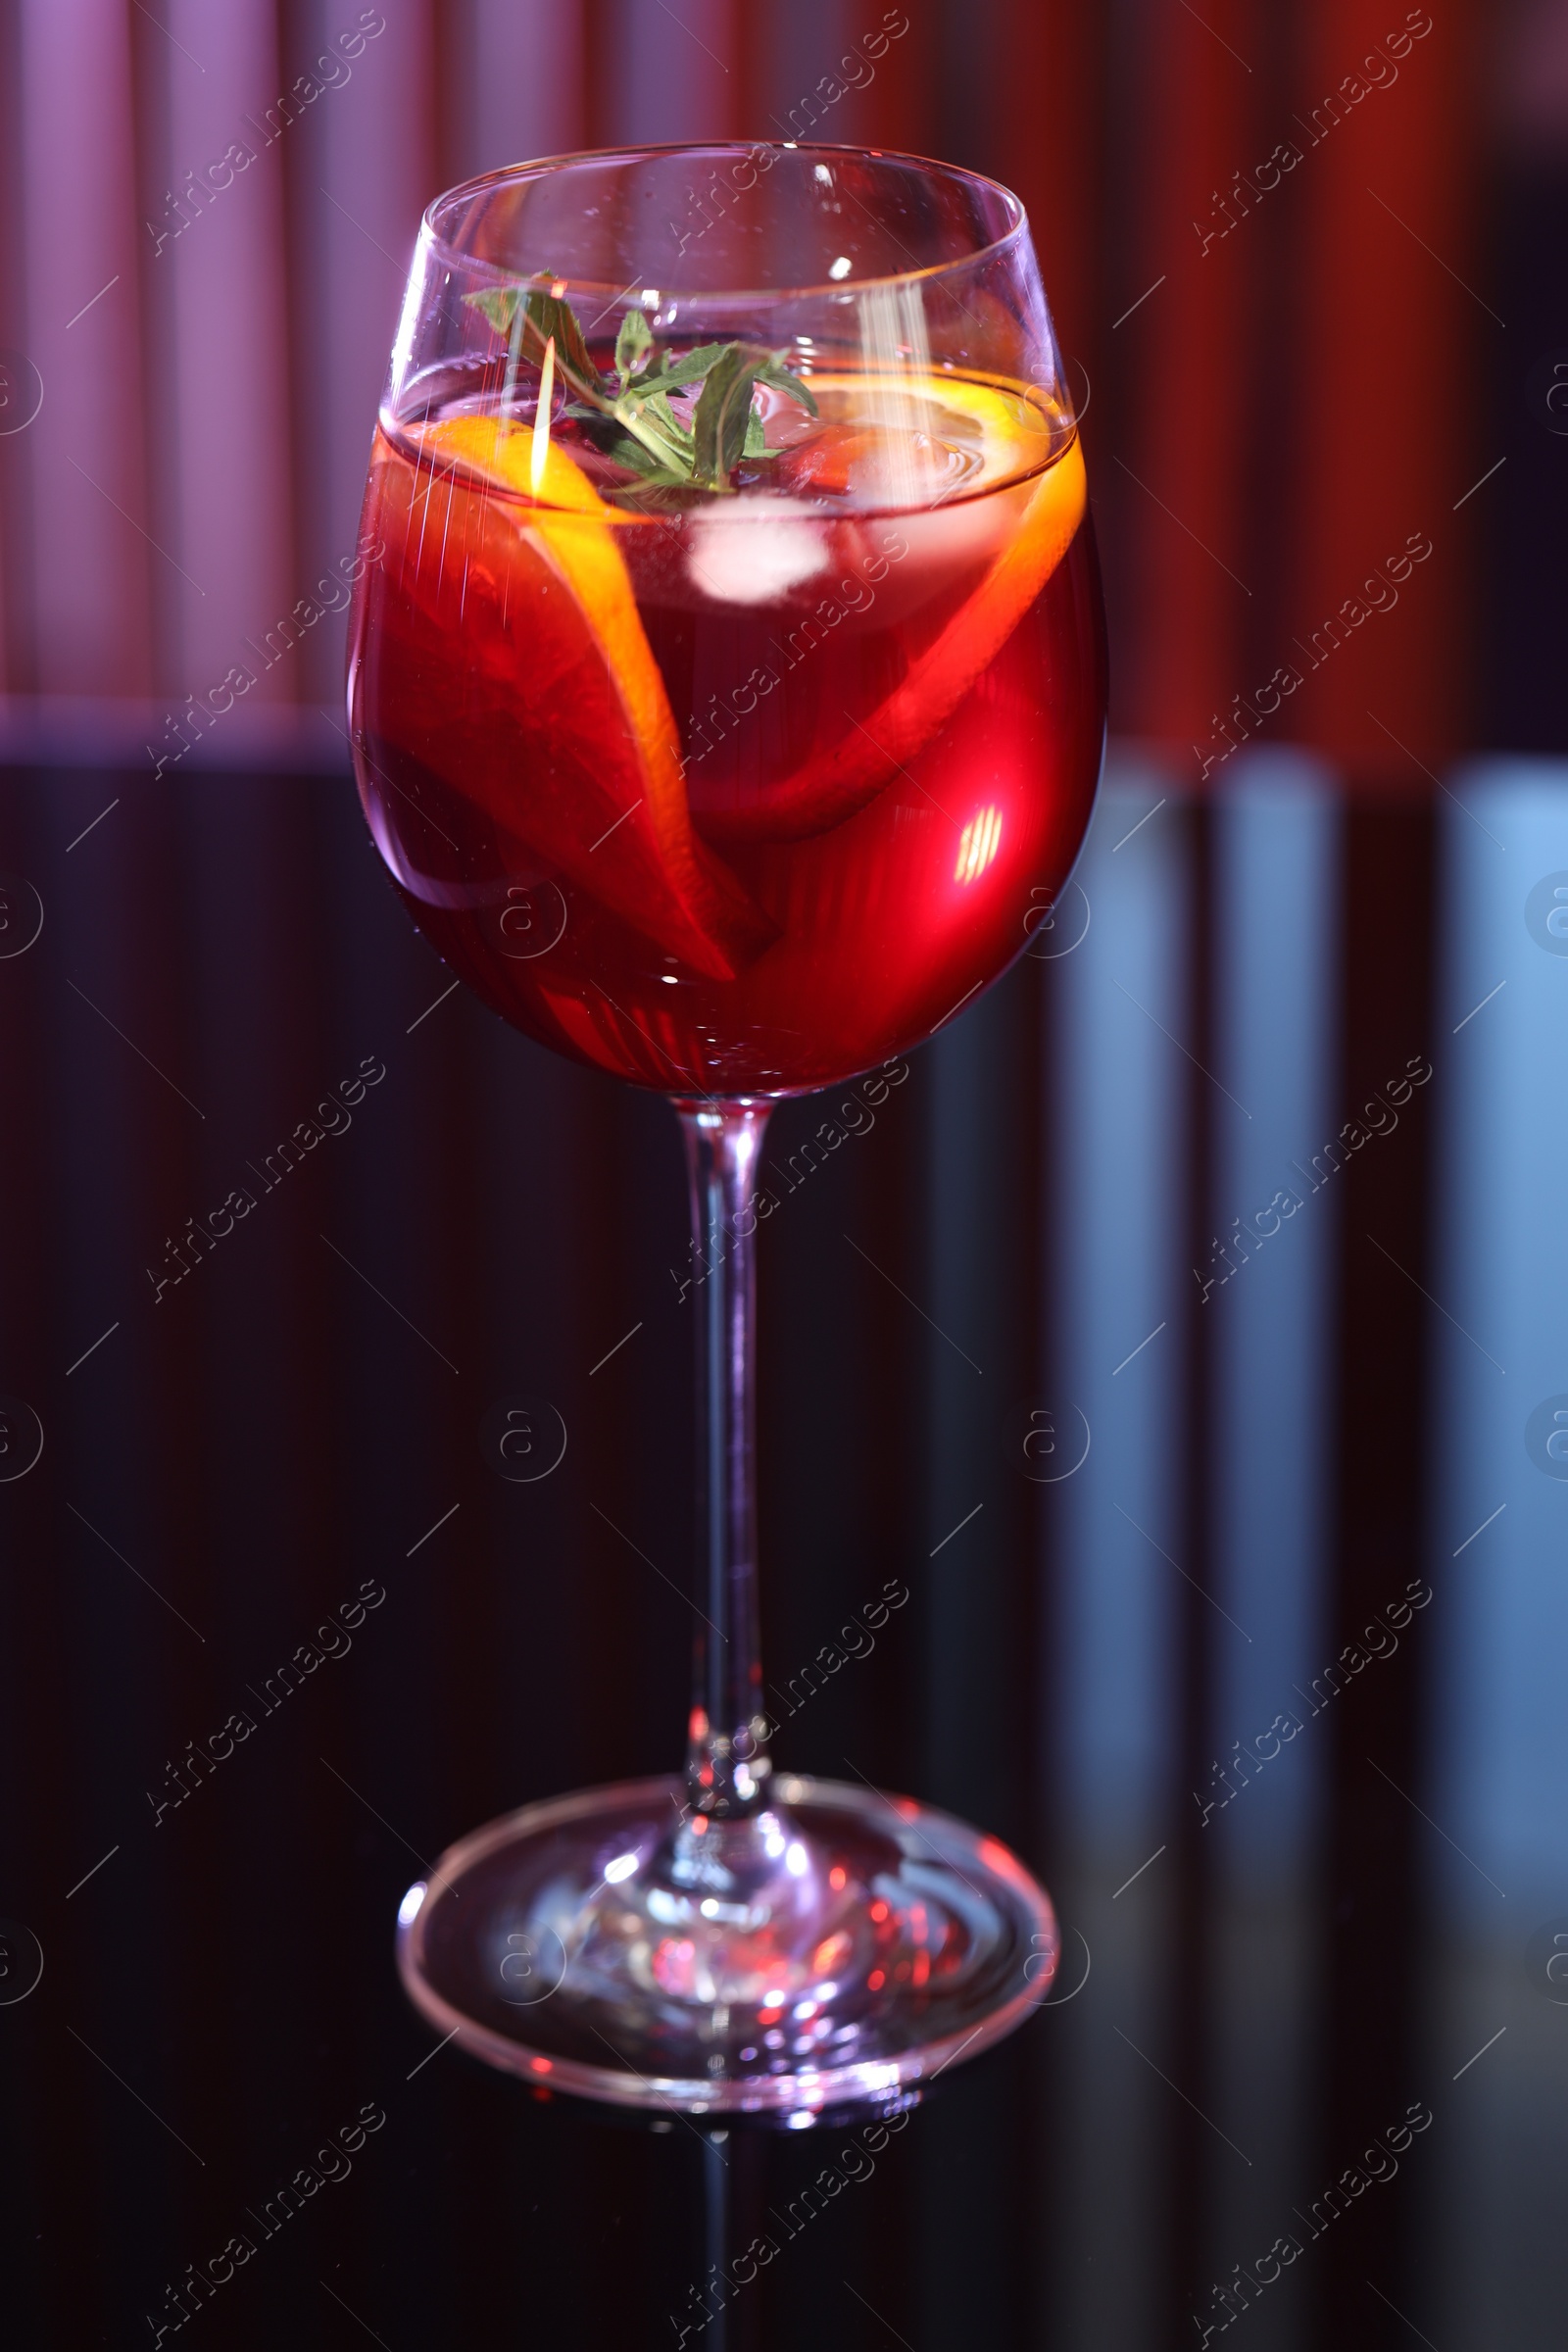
(726, 685)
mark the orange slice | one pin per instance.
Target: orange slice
(834, 784)
(524, 678)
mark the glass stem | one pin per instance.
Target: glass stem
(726, 1750)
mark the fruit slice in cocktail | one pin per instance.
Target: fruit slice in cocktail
(736, 791)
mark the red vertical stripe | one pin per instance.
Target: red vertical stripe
(897, 107)
(1387, 442)
(1049, 150)
(1179, 469)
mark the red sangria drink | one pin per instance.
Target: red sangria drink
(726, 688)
(739, 788)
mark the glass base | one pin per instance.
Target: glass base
(836, 1947)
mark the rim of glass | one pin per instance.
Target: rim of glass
(467, 189)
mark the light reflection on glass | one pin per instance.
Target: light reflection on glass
(978, 845)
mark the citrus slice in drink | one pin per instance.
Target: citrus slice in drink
(1009, 524)
(564, 736)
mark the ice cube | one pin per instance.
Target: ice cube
(756, 549)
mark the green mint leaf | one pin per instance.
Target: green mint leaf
(631, 454)
(653, 440)
(606, 436)
(544, 315)
(497, 305)
(651, 418)
(632, 345)
(660, 478)
(774, 371)
(718, 427)
(603, 430)
(670, 422)
(671, 375)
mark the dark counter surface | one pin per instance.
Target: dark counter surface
(1258, 1177)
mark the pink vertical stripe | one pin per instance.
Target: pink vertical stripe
(526, 83)
(673, 76)
(222, 376)
(90, 563)
(363, 160)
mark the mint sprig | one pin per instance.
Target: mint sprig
(633, 344)
(650, 438)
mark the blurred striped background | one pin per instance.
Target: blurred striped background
(1367, 353)
(1286, 373)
